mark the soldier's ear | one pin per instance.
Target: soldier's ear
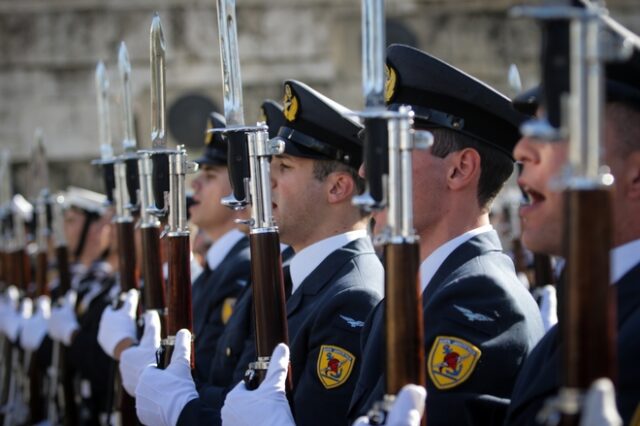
(465, 168)
(341, 187)
(632, 176)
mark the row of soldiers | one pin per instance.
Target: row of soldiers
(484, 355)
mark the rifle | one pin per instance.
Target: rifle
(169, 197)
(40, 176)
(7, 269)
(61, 392)
(248, 162)
(21, 212)
(388, 145)
(586, 322)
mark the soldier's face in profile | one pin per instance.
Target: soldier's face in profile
(298, 199)
(542, 216)
(73, 223)
(210, 186)
(429, 190)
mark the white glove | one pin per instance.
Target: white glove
(600, 405)
(63, 322)
(548, 306)
(136, 358)
(9, 311)
(162, 394)
(14, 320)
(265, 406)
(119, 324)
(407, 410)
(35, 328)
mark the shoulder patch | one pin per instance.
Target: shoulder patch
(334, 365)
(451, 361)
(227, 308)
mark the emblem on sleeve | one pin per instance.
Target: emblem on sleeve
(227, 308)
(334, 365)
(451, 361)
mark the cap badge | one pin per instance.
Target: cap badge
(262, 117)
(208, 135)
(451, 361)
(390, 83)
(334, 365)
(290, 103)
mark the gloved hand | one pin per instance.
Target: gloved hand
(548, 306)
(162, 394)
(63, 322)
(136, 358)
(407, 410)
(119, 324)
(265, 406)
(15, 319)
(35, 328)
(9, 310)
(600, 405)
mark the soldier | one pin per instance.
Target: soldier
(542, 225)
(336, 279)
(87, 229)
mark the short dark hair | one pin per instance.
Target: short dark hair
(626, 118)
(323, 168)
(495, 165)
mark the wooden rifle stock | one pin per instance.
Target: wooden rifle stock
(179, 291)
(37, 401)
(128, 281)
(42, 269)
(542, 270)
(154, 288)
(587, 314)
(268, 296)
(64, 392)
(403, 317)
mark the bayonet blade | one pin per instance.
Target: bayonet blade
(124, 66)
(373, 39)
(104, 124)
(229, 56)
(514, 78)
(5, 177)
(40, 168)
(158, 85)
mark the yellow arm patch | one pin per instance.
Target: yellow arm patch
(334, 365)
(227, 308)
(451, 361)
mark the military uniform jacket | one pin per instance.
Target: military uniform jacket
(480, 323)
(214, 293)
(325, 317)
(540, 377)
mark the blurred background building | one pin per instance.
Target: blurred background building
(49, 49)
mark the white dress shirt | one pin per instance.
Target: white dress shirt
(221, 248)
(310, 257)
(432, 263)
(623, 259)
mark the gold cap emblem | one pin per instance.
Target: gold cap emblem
(290, 102)
(390, 83)
(208, 134)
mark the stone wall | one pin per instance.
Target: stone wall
(50, 49)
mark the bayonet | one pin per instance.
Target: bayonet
(158, 85)
(514, 78)
(230, 58)
(235, 130)
(104, 131)
(130, 157)
(373, 39)
(124, 66)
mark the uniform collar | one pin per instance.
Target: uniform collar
(430, 265)
(221, 248)
(623, 258)
(308, 259)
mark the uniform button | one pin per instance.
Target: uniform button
(228, 351)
